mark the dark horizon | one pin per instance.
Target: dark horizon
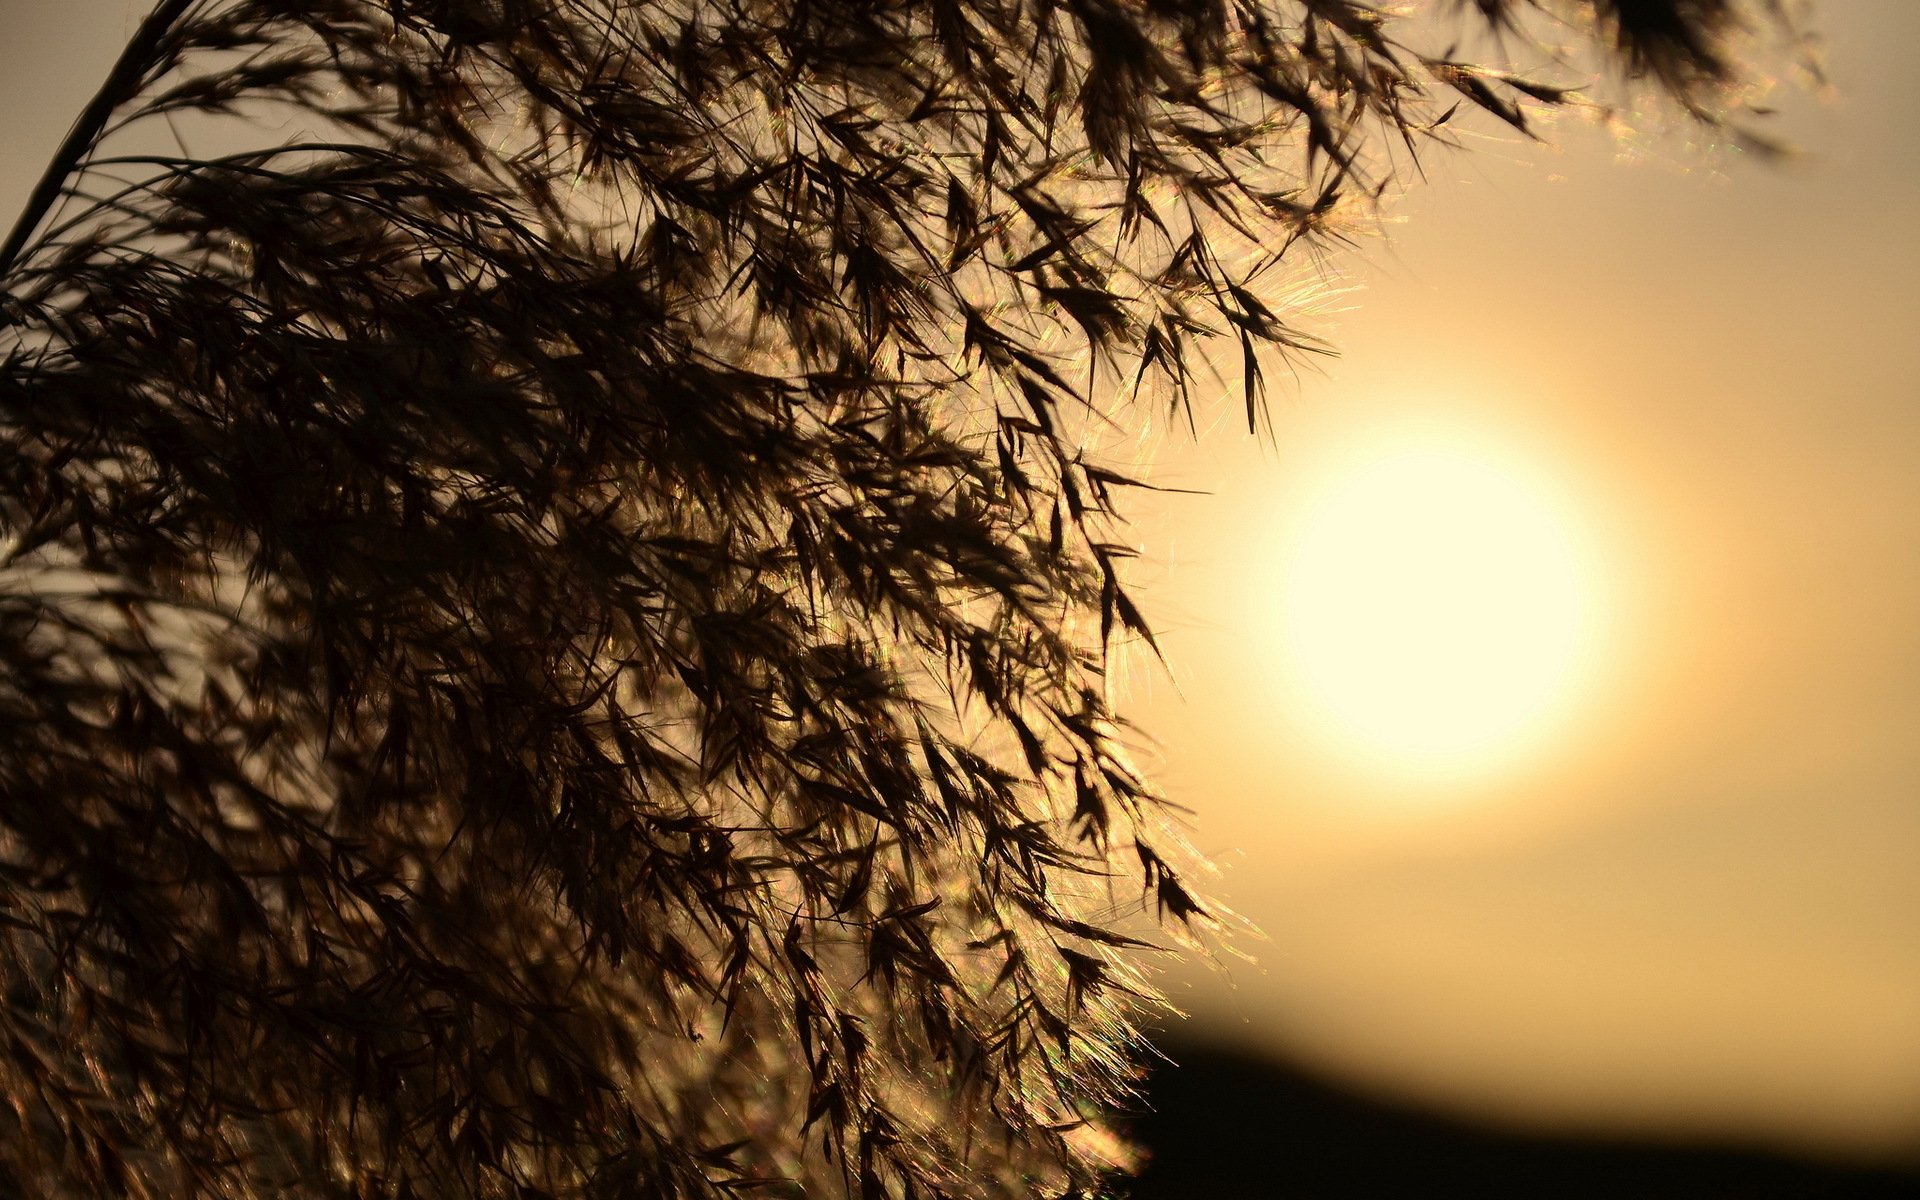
(1224, 1123)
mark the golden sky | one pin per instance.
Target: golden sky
(1675, 884)
(1687, 896)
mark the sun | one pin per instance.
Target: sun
(1439, 607)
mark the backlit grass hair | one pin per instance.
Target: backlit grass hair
(554, 607)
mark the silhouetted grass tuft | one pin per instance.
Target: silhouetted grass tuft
(553, 629)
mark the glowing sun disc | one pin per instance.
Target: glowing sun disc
(1438, 606)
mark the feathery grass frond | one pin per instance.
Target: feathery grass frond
(553, 630)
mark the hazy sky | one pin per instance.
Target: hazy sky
(1692, 896)
(1696, 899)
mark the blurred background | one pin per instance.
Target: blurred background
(1546, 680)
(1623, 842)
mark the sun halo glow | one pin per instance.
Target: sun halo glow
(1438, 609)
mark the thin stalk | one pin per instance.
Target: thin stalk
(122, 84)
